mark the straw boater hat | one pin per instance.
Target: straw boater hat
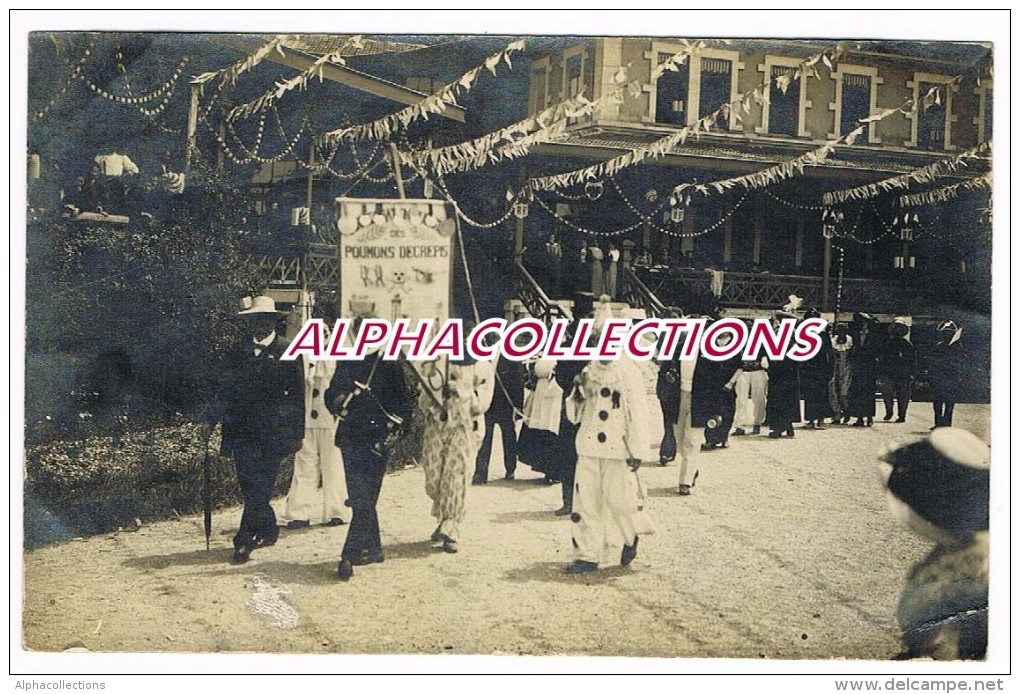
(260, 304)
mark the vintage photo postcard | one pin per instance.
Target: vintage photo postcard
(634, 343)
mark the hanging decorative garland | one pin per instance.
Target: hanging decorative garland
(383, 128)
(72, 77)
(228, 75)
(516, 140)
(793, 205)
(926, 174)
(735, 109)
(157, 93)
(947, 192)
(767, 177)
(796, 166)
(667, 232)
(271, 96)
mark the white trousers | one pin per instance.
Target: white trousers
(751, 389)
(688, 441)
(605, 507)
(318, 458)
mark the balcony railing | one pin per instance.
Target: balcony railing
(765, 291)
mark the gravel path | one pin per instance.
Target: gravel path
(784, 550)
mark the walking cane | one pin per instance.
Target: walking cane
(207, 488)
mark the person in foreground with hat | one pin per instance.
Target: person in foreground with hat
(939, 488)
(370, 401)
(261, 404)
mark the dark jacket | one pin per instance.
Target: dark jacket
(260, 400)
(948, 366)
(510, 383)
(897, 360)
(365, 422)
(782, 406)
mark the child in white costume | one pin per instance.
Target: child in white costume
(608, 404)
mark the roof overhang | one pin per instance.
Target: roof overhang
(739, 154)
(340, 74)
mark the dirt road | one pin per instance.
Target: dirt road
(784, 550)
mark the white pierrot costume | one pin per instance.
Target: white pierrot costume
(609, 405)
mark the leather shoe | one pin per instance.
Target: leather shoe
(581, 567)
(629, 552)
(298, 524)
(509, 476)
(345, 570)
(684, 490)
(241, 555)
(901, 420)
(479, 480)
(450, 546)
(739, 432)
(334, 522)
(563, 511)
(437, 536)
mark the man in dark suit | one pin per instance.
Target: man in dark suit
(370, 398)
(261, 404)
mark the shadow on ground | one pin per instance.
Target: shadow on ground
(555, 572)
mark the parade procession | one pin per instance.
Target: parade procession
(430, 343)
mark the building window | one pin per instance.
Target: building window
(856, 98)
(573, 75)
(932, 124)
(671, 90)
(538, 96)
(984, 117)
(784, 112)
(699, 86)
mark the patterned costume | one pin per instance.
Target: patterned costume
(451, 441)
(608, 405)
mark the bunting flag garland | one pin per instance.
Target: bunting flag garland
(282, 87)
(510, 142)
(507, 142)
(768, 176)
(228, 75)
(383, 128)
(817, 156)
(736, 109)
(926, 174)
(946, 193)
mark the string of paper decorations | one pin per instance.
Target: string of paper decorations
(72, 78)
(154, 95)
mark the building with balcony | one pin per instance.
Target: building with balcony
(752, 246)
